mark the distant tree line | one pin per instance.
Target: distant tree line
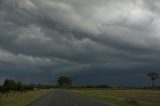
(66, 82)
(94, 86)
(10, 85)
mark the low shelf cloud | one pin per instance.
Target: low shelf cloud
(93, 41)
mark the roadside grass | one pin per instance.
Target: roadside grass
(22, 99)
(124, 97)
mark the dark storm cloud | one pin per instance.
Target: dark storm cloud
(55, 37)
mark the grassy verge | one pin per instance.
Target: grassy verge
(22, 99)
(124, 97)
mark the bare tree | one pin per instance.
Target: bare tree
(153, 76)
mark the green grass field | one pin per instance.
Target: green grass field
(124, 97)
(22, 99)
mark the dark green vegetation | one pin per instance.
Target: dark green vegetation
(13, 86)
(22, 99)
(13, 93)
(124, 97)
(64, 82)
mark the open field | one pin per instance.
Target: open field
(21, 99)
(124, 97)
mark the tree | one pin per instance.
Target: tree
(153, 76)
(64, 82)
(2, 91)
(10, 85)
(20, 87)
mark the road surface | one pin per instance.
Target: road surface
(63, 98)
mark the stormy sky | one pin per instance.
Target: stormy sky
(115, 42)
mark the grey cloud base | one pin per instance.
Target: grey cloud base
(104, 39)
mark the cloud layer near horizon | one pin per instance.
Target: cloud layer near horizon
(88, 37)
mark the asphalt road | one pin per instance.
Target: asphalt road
(63, 98)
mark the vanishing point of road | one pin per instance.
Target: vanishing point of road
(63, 98)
